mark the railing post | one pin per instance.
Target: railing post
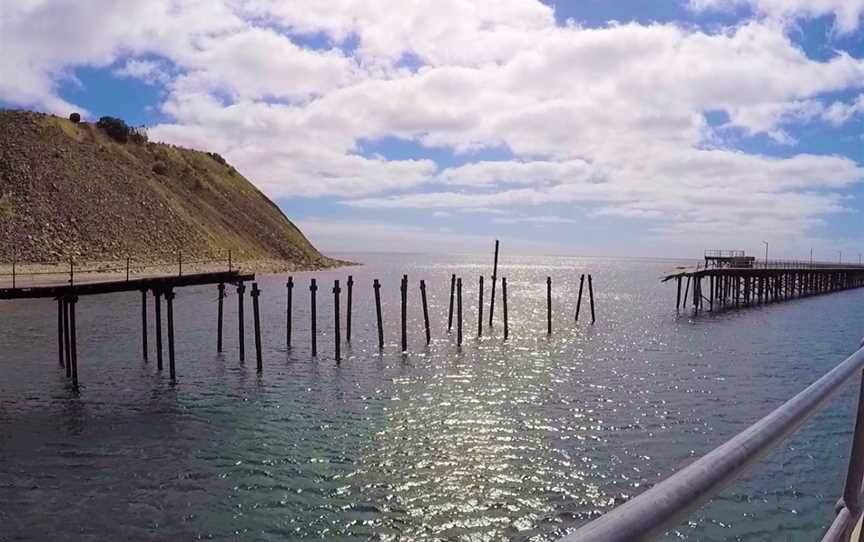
(855, 470)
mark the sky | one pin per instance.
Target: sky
(586, 127)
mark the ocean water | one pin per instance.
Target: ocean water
(519, 440)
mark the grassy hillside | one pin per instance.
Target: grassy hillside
(69, 190)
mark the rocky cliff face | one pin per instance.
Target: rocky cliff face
(69, 190)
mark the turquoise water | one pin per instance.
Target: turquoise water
(523, 440)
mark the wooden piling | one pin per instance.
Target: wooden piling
(404, 313)
(686, 290)
(73, 339)
(169, 302)
(60, 349)
(348, 309)
(591, 298)
(504, 299)
(579, 298)
(66, 337)
(711, 294)
(127, 268)
(425, 312)
(144, 324)
(157, 298)
(494, 280)
(241, 318)
(459, 311)
(377, 287)
(313, 288)
(450, 313)
(677, 300)
(256, 320)
(548, 305)
(289, 309)
(219, 312)
(337, 339)
(480, 310)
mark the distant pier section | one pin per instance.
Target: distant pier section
(731, 279)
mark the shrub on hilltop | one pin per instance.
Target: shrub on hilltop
(119, 131)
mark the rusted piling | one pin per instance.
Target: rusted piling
(480, 310)
(425, 312)
(549, 305)
(591, 298)
(73, 328)
(377, 287)
(241, 288)
(169, 303)
(494, 280)
(404, 312)
(60, 330)
(459, 311)
(348, 309)
(256, 320)
(337, 339)
(219, 313)
(289, 309)
(313, 288)
(504, 299)
(144, 323)
(579, 297)
(450, 312)
(157, 299)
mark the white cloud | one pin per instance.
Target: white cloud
(847, 13)
(149, 71)
(839, 113)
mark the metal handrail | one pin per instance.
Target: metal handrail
(665, 505)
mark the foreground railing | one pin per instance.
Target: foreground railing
(665, 505)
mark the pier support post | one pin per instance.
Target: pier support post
(459, 311)
(348, 309)
(241, 321)
(337, 338)
(60, 347)
(504, 299)
(403, 290)
(677, 299)
(256, 320)
(219, 311)
(169, 303)
(480, 311)
(548, 305)
(144, 324)
(591, 298)
(313, 288)
(73, 329)
(66, 340)
(494, 280)
(711, 293)
(377, 287)
(288, 309)
(425, 312)
(582, 283)
(450, 313)
(157, 299)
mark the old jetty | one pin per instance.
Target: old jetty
(730, 279)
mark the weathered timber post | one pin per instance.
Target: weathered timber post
(230, 265)
(711, 293)
(591, 297)
(504, 299)
(169, 302)
(71, 271)
(686, 291)
(548, 305)
(241, 288)
(582, 283)
(14, 258)
(337, 332)
(404, 312)
(127, 268)
(494, 280)
(313, 287)
(459, 311)
(179, 263)
(219, 311)
(677, 299)
(157, 297)
(450, 313)
(60, 349)
(73, 299)
(144, 323)
(348, 309)
(257, 323)
(377, 287)
(425, 312)
(480, 310)
(66, 336)
(288, 309)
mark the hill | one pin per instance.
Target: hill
(69, 190)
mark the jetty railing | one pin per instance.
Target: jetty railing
(665, 505)
(783, 264)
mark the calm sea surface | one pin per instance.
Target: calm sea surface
(522, 440)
